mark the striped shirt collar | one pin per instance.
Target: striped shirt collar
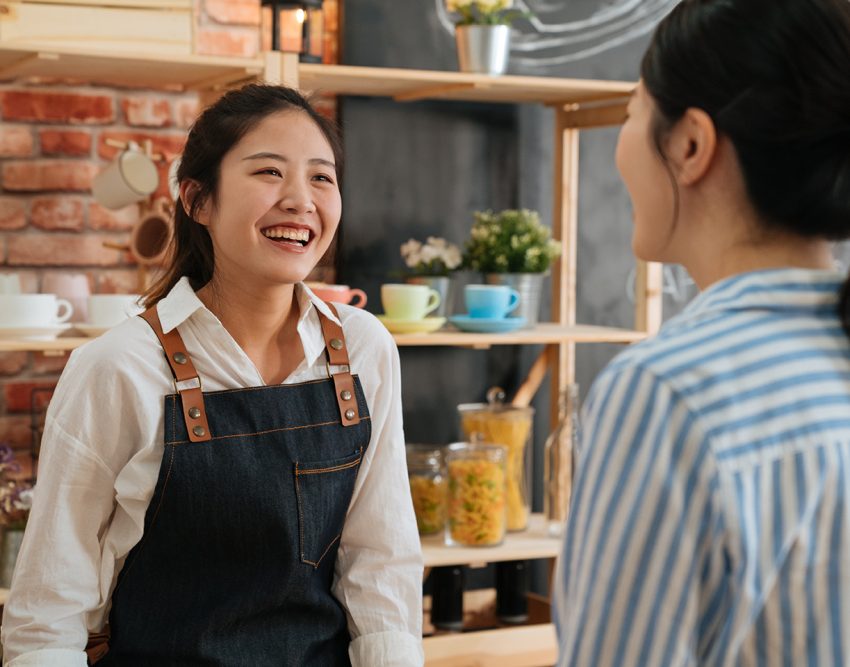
(769, 289)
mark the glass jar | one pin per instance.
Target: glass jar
(511, 427)
(560, 454)
(427, 487)
(477, 494)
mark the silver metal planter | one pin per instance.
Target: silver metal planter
(483, 49)
(530, 288)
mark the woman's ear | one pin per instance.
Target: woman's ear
(692, 146)
(188, 191)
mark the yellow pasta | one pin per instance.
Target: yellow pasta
(429, 503)
(511, 429)
(476, 502)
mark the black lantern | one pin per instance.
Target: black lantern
(297, 27)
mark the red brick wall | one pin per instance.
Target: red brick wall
(52, 143)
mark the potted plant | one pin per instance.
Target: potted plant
(512, 247)
(431, 263)
(15, 504)
(483, 33)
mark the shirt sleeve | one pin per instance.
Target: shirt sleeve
(62, 579)
(379, 564)
(56, 578)
(643, 520)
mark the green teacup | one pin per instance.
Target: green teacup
(408, 302)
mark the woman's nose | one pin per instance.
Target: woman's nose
(296, 197)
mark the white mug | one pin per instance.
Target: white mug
(71, 286)
(131, 178)
(107, 310)
(33, 310)
(10, 283)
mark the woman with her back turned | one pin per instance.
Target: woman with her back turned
(710, 522)
(222, 480)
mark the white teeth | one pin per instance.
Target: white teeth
(288, 233)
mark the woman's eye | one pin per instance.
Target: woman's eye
(271, 171)
(323, 177)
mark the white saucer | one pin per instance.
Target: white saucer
(33, 333)
(425, 325)
(90, 330)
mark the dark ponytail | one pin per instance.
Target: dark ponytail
(774, 77)
(218, 129)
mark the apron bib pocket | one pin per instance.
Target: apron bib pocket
(323, 490)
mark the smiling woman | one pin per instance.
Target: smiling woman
(261, 514)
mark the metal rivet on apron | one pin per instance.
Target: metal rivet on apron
(194, 413)
(179, 358)
(345, 395)
(336, 343)
(349, 414)
(199, 431)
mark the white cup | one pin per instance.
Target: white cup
(107, 310)
(33, 310)
(10, 283)
(131, 178)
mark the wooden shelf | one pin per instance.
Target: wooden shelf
(523, 646)
(409, 85)
(194, 72)
(149, 70)
(529, 544)
(542, 334)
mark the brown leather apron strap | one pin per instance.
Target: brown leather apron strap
(186, 379)
(349, 413)
(98, 645)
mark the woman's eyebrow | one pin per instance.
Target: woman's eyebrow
(280, 158)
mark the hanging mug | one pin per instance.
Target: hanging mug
(130, 178)
(151, 236)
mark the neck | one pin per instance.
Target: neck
(780, 251)
(254, 317)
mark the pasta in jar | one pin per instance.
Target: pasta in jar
(477, 500)
(510, 427)
(427, 488)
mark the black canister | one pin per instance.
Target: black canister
(512, 579)
(447, 597)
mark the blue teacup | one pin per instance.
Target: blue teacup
(490, 301)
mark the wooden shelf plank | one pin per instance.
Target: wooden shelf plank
(148, 70)
(411, 84)
(529, 544)
(523, 646)
(542, 334)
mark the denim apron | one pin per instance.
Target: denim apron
(237, 558)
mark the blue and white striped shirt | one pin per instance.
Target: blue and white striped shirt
(710, 521)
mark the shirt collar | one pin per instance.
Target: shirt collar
(181, 303)
(770, 289)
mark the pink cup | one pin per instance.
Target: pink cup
(338, 293)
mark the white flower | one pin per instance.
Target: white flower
(429, 254)
(452, 257)
(410, 252)
(24, 501)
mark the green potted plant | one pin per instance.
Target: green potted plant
(432, 263)
(512, 247)
(483, 34)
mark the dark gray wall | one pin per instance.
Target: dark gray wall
(414, 170)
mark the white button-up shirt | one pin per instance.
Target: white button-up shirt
(100, 458)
